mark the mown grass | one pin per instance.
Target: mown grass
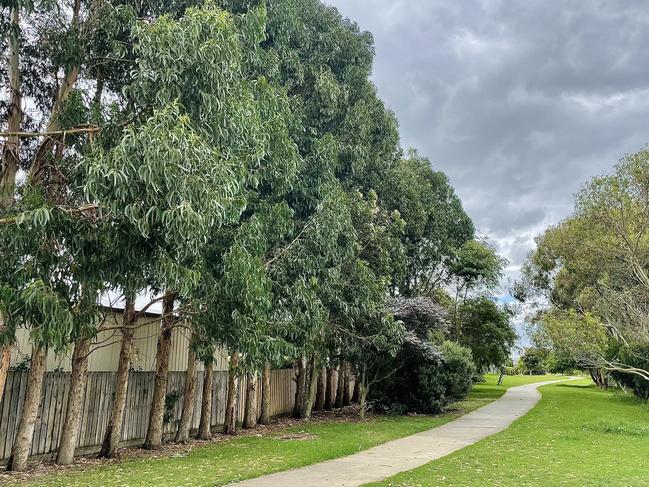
(577, 435)
(247, 457)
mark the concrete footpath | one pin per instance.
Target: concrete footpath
(412, 451)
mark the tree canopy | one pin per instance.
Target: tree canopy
(597, 289)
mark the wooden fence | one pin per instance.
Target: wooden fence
(98, 402)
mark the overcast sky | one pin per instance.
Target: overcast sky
(518, 101)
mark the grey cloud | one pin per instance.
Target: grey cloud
(518, 101)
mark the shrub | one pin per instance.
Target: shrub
(426, 385)
(448, 383)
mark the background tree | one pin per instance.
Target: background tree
(597, 290)
(487, 331)
(436, 225)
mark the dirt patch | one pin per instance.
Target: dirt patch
(45, 465)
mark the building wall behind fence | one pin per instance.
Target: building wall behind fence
(106, 346)
(98, 400)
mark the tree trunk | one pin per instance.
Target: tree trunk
(25, 433)
(356, 393)
(312, 379)
(300, 390)
(604, 378)
(340, 392)
(330, 393)
(230, 424)
(10, 153)
(264, 417)
(501, 376)
(113, 435)
(362, 399)
(347, 397)
(156, 417)
(11, 147)
(599, 378)
(5, 357)
(205, 424)
(72, 422)
(185, 424)
(322, 386)
(250, 415)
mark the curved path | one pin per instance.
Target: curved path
(410, 452)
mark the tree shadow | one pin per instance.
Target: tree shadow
(577, 386)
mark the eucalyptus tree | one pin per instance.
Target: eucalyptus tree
(362, 325)
(591, 272)
(47, 221)
(324, 82)
(213, 122)
(349, 142)
(71, 55)
(162, 172)
(436, 225)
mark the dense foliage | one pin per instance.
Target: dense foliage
(428, 379)
(591, 271)
(233, 161)
(487, 332)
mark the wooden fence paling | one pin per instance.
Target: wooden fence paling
(98, 398)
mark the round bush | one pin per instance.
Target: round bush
(448, 383)
(423, 385)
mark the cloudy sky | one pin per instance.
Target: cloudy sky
(518, 101)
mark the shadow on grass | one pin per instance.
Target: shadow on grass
(576, 386)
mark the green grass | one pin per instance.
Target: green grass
(246, 457)
(577, 435)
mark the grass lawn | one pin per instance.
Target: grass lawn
(252, 456)
(577, 435)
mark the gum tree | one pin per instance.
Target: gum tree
(596, 291)
(207, 90)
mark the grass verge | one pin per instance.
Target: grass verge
(241, 458)
(577, 435)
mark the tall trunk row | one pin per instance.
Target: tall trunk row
(316, 390)
(322, 389)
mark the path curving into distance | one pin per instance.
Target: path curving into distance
(404, 454)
